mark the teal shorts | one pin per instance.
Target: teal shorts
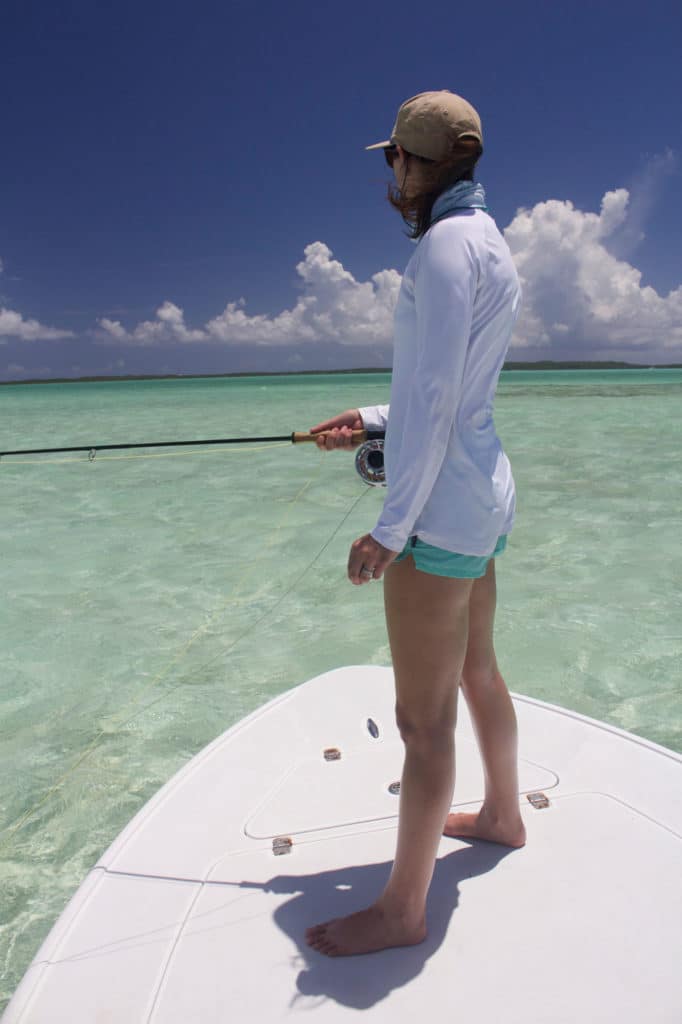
(439, 562)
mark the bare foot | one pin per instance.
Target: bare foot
(480, 825)
(367, 931)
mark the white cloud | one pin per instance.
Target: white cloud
(168, 326)
(13, 325)
(644, 193)
(575, 288)
(580, 293)
(114, 328)
(333, 306)
(577, 293)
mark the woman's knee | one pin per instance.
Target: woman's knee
(480, 675)
(427, 727)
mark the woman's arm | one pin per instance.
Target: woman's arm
(445, 286)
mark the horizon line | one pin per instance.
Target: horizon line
(541, 364)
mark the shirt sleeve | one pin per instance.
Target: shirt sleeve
(446, 279)
(374, 417)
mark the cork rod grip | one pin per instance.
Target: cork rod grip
(358, 436)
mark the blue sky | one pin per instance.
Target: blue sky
(185, 188)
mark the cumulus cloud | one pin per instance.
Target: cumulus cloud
(114, 329)
(333, 306)
(13, 325)
(168, 326)
(646, 189)
(581, 296)
(578, 292)
(575, 287)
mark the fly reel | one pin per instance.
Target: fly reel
(369, 462)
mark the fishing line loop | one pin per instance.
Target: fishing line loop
(107, 728)
(266, 614)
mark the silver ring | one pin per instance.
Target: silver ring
(365, 571)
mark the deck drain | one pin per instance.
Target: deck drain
(281, 845)
(394, 788)
(538, 800)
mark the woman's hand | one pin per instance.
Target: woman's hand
(367, 554)
(338, 431)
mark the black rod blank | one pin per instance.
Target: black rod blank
(295, 438)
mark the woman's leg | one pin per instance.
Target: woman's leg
(494, 720)
(427, 620)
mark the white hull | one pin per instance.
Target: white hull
(191, 918)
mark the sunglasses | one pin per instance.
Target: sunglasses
(390, 153)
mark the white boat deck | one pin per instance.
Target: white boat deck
(191, 917)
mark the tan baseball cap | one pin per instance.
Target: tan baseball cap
(428, 123)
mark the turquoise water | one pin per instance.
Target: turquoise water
(151, 599)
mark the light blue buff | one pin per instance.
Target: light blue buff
(460, 196)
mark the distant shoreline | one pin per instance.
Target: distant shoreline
(543, 365)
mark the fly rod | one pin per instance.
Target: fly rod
(297, 437)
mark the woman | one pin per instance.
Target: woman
(449, 505)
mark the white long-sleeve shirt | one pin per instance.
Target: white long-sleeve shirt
(448, 478)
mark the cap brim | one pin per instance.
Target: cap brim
(380, 145)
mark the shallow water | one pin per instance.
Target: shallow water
(154, 598)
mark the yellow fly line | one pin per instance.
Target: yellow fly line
(266, 614)
(151, 455)
(120, 719)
